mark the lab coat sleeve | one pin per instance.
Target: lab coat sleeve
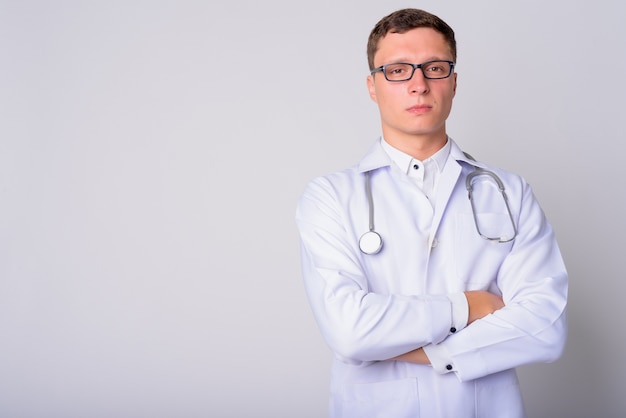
(532, 326)
(358, 324)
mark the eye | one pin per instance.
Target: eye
(398, 71)
(435, 68)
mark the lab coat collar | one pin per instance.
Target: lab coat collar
(376, 157)
(463, 157)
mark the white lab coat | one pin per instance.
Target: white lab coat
(374, 307)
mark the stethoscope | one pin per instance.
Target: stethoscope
(371, 242)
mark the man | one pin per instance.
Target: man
(432, 321)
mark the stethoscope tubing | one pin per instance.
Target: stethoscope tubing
(371, 242)
(470, 189)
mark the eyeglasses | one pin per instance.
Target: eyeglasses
(403, 71)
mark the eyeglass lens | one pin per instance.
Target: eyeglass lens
(403, 72)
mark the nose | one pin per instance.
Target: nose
(418, 84)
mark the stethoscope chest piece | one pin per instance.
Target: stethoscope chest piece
(370, 243)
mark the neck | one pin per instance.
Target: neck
(419, 147)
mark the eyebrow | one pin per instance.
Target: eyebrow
(432, 58)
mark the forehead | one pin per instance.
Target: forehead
(415, 45)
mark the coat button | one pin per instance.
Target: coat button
(449, 367)
(453, 330)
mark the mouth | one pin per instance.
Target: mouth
(419, 109)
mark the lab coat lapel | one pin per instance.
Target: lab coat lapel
(447, 182)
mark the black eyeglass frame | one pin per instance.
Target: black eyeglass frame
(382, 68)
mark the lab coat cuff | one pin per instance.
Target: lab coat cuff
(460, 311)
(440, 358)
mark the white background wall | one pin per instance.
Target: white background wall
(151, 155)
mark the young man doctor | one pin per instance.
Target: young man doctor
(433, 323)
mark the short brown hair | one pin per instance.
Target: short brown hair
(404, 20)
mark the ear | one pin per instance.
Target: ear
(371, 88)
(454, 88)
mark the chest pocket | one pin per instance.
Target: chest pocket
(477, 259)
(394, 398)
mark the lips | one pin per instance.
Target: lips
(419, 109)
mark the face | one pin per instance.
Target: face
(417, 109)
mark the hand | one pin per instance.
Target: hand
(482, 303)
(417, 356)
